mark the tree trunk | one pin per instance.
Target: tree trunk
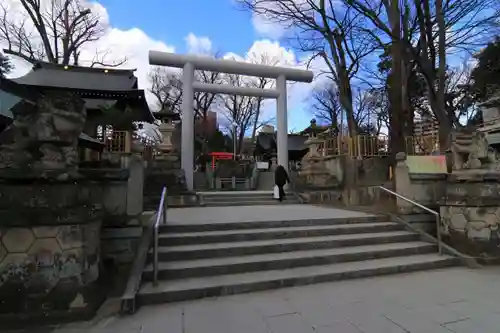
(396, 103)
(344, 82)
(445, 124)
(396, 132)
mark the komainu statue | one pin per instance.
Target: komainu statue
(470, 150)
(43, 138)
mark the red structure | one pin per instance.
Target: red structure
(220, 156)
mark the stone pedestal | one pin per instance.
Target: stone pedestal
(470, 212)
(49, 248)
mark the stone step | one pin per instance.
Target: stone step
(252, 203)
(186, 226)
(194, 288)
(226, 198)
(286, 260)
(168, 239)
(232, 249)
(246, 198)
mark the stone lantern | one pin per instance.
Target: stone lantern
(167, 129)
(314, 170)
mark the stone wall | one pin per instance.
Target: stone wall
(364, 177)
(49, 245)
(168, 173)
(120, 244)
(357, 181)
(470, 213)
(122, 203)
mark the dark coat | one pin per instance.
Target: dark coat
(281, 176)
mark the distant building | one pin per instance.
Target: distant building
(210, 123)
(425, 136)
(266, 146)
(426, 126)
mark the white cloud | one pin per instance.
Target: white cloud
(198, 45)
(266, 28)
(265, 23)
(272, 53)
(132, 44)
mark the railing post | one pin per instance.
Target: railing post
(160, 214)
(164, 209)
(233, 182)
(438, 234)
(155, 257)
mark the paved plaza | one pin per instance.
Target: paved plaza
(200, 215)
(459, 300)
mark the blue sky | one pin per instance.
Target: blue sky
(172, 20)
(228, 28)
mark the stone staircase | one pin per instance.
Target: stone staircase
(245, 198)
(206, 260)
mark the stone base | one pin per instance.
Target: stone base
(183, 200)
(472, 230)
(33, 319)
(470, 212)
(47, 268)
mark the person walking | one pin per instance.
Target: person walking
(280, 179)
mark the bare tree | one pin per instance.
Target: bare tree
(326, 30)
(55, 31)
(442, 27)
(378, 106)
(166, 87)
(326, 105)
(204, 102)
(460, 100)
(261, 83)
(239, 111)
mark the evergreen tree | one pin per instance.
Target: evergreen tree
(5, 65)
(487, 72)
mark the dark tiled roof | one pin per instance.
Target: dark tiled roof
(296, 142)
(52, 75)
(97, 86)
(267, 141)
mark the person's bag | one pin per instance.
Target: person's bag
(276, 194)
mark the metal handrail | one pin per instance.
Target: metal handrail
(160, 215)
(436, 214)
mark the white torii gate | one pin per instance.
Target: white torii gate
(190, 63)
